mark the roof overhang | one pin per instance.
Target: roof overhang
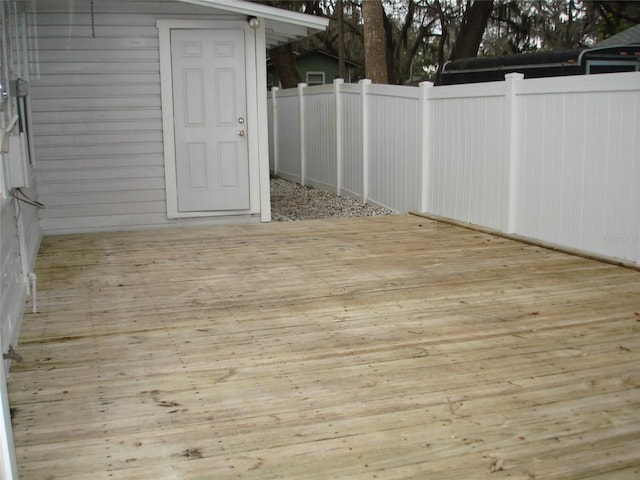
(281, 26)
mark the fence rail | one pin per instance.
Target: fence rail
(553, 159)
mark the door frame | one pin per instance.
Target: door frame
(256, 126)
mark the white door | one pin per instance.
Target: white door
(209, 105)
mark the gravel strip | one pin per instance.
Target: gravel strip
(290, 201)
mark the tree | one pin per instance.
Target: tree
(474, 23)
(284, 63)
(419, 36)
(616, 15)
(341, 47)
(282, 57)
(375, 50)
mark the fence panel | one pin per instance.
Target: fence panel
(320, 140)
(554, 159)
(351, 141)
(288, 135)
(394, 148)
(580, 163)
(469, 169)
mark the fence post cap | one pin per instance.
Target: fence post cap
(514, 76)
(338, 80)
(365, 81)
(425, 84)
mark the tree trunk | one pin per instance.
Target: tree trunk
(341, 52)
(473, 25)
(285, 65)
(375, 58)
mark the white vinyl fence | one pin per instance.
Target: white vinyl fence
(552, 159)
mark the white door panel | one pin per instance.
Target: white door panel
(209, 101)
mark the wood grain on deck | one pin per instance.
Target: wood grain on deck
(388, 347)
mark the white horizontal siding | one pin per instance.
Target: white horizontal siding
(108, 198)
(113, 162)
(114, 120)
(79, 92)
(83, 29)
(107, 10)
(60, 152)
(98, 187)
(20, 232)
(107, 102)
(103, 174)
(15, 263)
(106, 67)
(12, 286)
(30, 218)
(104, 209)
(97, 80)
(97, 112)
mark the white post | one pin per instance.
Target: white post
(262, 117)
(274, 128)
(511, 147)
(337, 83)
(303, 161)
(425, 146)
(364, 87)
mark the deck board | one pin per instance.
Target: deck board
(386, 347)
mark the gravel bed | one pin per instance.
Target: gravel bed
(290, 201)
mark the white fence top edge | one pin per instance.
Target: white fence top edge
(629, 81)
(602, 82)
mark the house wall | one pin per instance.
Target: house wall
(20, 237)
(315, 63)
(20, 233)
(97, 112)
(553, 159)
(319, 63)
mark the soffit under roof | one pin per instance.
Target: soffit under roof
(282, 26)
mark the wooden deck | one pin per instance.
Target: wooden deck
(387, 347)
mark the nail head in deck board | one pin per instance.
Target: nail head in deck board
(339, 348)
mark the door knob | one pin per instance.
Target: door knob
(241, 133)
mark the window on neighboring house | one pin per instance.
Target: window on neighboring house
(315, 78)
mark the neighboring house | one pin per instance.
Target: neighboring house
(620, 53)
(631, 36)
(129, 115)
(316, 67)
